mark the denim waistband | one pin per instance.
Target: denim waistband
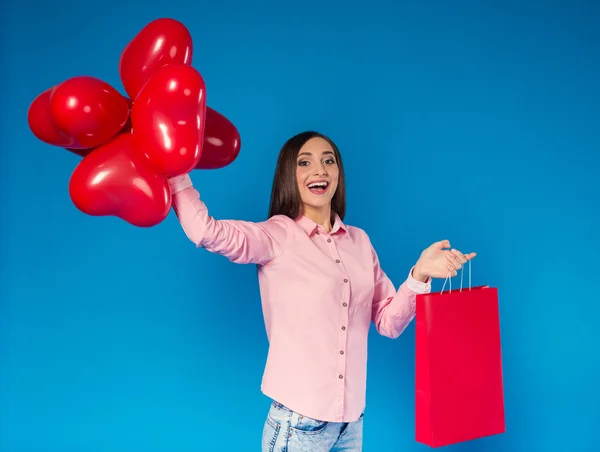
(281, 406)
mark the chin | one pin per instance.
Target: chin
(315, 201)
(319, 204)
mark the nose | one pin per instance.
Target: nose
(320, 170)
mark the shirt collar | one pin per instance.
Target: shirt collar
(310, 227)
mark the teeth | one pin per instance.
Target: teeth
(317, 184)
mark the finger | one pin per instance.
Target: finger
(467, 257)
(453, 260)
(451, 271)
(460, 256)
(442, 244)
(451, 257)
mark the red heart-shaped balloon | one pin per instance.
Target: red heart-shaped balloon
(116, 179)
(126, 129)
(161, 42)
(221, 144)
(89, 110)
(168, 119)
(222, 141)
(42, 123)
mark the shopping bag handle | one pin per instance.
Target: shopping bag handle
(449, 278)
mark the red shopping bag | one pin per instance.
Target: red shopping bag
(459, 388)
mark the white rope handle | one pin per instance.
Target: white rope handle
(449, 278)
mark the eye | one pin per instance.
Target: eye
(330, 161)
(302, 163)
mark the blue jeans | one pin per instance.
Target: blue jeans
(288, 431)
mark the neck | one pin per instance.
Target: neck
(320, 216)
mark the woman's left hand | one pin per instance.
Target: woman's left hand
(438, 261)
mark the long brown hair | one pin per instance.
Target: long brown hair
(285, 197)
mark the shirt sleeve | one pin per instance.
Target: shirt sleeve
(241, 242)
(392, 310)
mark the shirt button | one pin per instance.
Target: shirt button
(345, 280)
(341, 376)
(328, 240)
(344, 305)
(341, 352)
(337, 261)
(343, 328)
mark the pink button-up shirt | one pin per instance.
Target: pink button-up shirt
(320, 291)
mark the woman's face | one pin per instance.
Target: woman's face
(317, 174)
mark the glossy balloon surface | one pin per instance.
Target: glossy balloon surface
(168, 119)
(161, 42)
(222, 142)
(116, 179)
(88, 110)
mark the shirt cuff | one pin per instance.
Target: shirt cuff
(179, 183)
(418, 286)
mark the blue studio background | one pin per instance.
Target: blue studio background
(473, 121)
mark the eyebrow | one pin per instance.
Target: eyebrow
(310, 153)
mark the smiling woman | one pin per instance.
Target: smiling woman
(321, 286)
(309, 180)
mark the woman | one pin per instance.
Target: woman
(321, 285)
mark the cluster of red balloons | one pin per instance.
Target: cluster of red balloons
(132, 144)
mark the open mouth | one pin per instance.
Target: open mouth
(318, 188)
